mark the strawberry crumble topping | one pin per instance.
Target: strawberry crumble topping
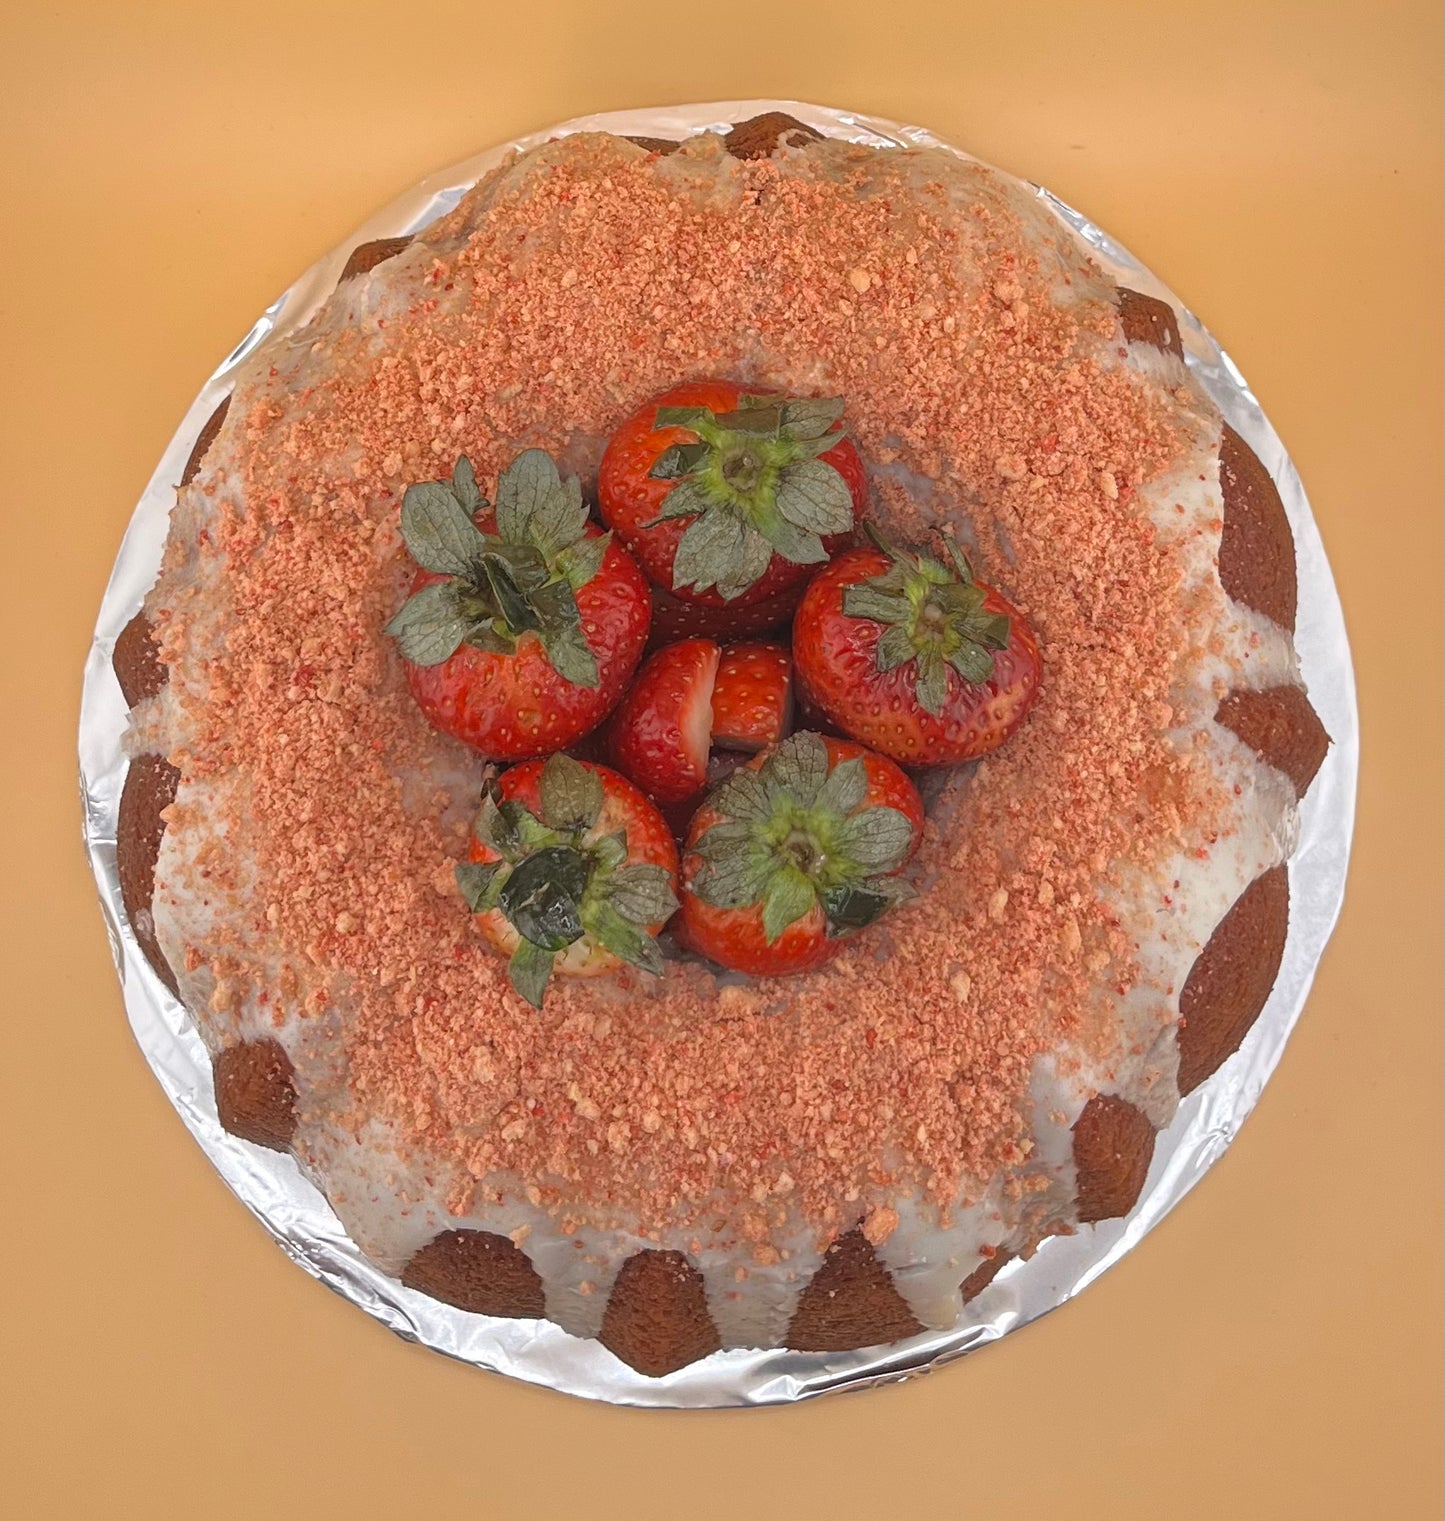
(976, 351)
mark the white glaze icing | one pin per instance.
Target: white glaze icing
(390, 1203)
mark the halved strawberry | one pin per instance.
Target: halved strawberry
(662, 730)
(572, 871)
(729, 497)
(752, 697)
(524, 623)
(914, 657)
(794, 852)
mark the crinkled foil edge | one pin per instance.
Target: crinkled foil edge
(541, 1353)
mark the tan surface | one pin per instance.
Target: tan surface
(1273, 1350)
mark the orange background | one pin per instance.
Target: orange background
(1273, 1349)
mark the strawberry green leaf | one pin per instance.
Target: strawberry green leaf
(686, 500)
(869, 599)
(744, 796)
(571, 656)
(502, 584)
(846, 787)
(492, 640)
(798, 766)
(973, 663)
(800, 545)
(678, 461)
(464, 486)
(541, 896)
(760, 417)
(736, 879)
(707, 545)
(814, 496)
(529, 971)
(809, 417)
(683, 417)
(856, 905)
(786, 899)
(584, 559)
(522, 489)
(624, 939)
(560, 520)
(430, 625)
(480, 883)
(610, 850)
(877, 839)
(895, 648)
(642, 894)
(571, 794)
(754, 559)
(438, 531)
(930, 683)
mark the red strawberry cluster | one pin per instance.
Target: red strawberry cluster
(728, 515)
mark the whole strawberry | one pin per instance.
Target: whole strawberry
(572, 872)
(795, 852)
(525, 623)
(729, 498)
(914, 657)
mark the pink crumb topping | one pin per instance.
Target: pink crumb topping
(593, 279)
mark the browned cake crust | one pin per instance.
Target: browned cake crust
(657, 1318)
(477, 1271)
(136, 662)
(983, 1275)
(1256, 549)
(656, 144)
(1281, 727)
(761, 135)
(851, 1302)
(150, 788)
(1113, 1146)
(204, 439)
(366, 256)
(1229, 983)
(1146, 319)
(255, 1086)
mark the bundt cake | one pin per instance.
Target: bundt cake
(689, 1159)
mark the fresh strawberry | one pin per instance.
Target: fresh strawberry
(913, 656)
(572, 871)
(524, 623)
(752, 697)
(673, 619)
(795, 852)
(729, 497)
(661, 732)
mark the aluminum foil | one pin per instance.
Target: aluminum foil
(298, 1216)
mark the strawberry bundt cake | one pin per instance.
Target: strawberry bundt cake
(596, 818)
